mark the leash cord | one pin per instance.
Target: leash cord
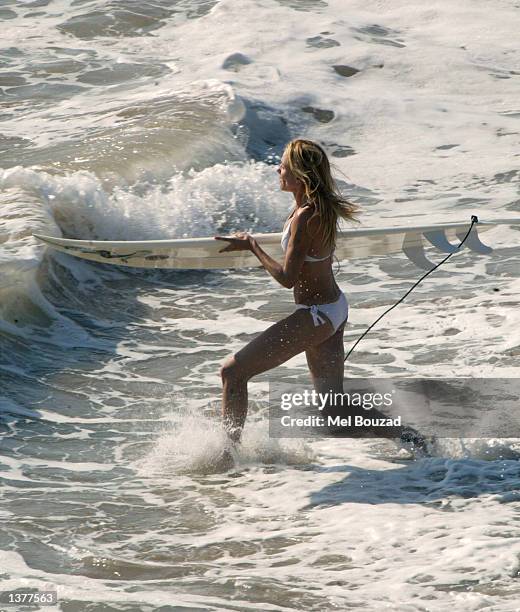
(474, 219)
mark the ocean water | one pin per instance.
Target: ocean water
(126, 120)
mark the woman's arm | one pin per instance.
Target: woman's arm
(299, 243)
(271, 265)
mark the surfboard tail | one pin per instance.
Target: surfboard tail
(413, 245)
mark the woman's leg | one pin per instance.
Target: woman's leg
(326, 365)
(274, 346)
(325, 361)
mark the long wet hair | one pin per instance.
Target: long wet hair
(309, 163)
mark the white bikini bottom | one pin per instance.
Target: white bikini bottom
(337, 311)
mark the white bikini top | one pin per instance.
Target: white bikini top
(285, 241)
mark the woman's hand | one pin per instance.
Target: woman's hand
(240, 242)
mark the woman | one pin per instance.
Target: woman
(317, 324)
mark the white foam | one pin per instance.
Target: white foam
(194, 441)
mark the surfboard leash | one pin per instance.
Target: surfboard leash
(474, 219)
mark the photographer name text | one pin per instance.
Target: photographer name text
(350, 420)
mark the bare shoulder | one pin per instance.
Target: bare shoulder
(303, 215)
(308, 219)
(299, 222)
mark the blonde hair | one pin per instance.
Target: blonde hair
(309, 163)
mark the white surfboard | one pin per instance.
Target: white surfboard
(202, 253)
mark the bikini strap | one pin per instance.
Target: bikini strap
(316, 318)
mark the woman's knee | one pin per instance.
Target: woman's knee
(231, 370)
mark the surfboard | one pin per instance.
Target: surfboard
(202, 253)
